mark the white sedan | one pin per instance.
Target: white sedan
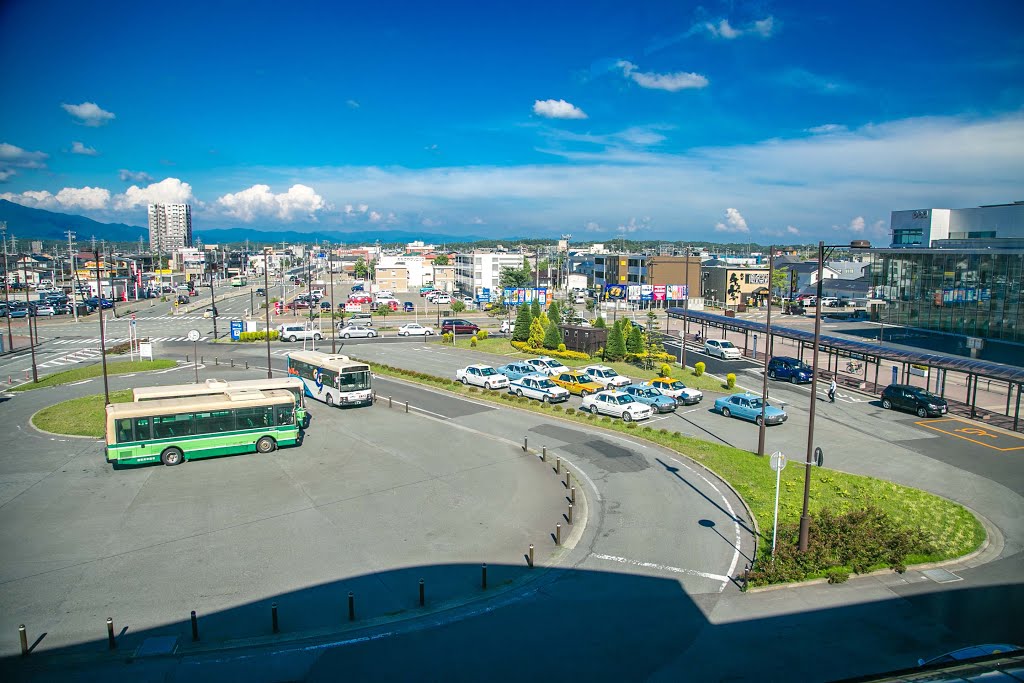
(723, 348)
(617, 404)
(415, 328)
(482, 376)
(607, 377)
(507, 327)
(539, 387)
(547, 365)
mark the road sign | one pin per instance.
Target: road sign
(146, 350)
(236, 330)
(778, 463)
(193, 335)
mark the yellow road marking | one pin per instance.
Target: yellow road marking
(974, 431)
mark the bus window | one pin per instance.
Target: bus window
(215, 422)
(285, 415)
(252, 418)
(142, 429)
(172, 425)
(124, 430)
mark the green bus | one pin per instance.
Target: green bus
(175, 429)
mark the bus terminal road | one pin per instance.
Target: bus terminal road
(644, 593)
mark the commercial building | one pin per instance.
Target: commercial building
(481, 270)
(734, 286)
(959, 272)
(170, 227)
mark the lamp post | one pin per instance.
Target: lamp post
(266, 301)
(805, 520)
(213, 307)
(334, 328)
(7, 288)
(28, 318)
(103, 348)
(767, 352)
(686, 307)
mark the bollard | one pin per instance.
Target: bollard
(558, 534)
(558, 465)
(195, 628)
(186, 358)
(389, 402)
(407, 406)
(422, 595)
(351, 606)
(483, 576)
(273, 616)
(216, 360)
(23, 636)
(202, 360)
(567, 475)
(110, 634)
(573, 494)
(570, 513)
(531, 556)
(543, 453)
(246, 365)
(525, 444)
(232, 362)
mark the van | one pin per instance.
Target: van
(296, 331)
(362, 319)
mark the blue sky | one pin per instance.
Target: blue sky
(732, 121)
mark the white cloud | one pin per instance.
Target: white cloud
(89, 113)
(69, 198)
(792, 230)
(79, 148)
(557, 109)
(734, 222)
(763, 28)
(299, 202)
(134, 176)
(13, 157)
(167, 191)
(672, 82)
(592, 226)
(352, 104)
(857, 225)
(827, 129)
(807, 80)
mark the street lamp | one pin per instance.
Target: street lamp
(334, 328)
(767, 352)
(103, 344)
(805, 520)
(266, 302)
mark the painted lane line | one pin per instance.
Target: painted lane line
(75, 384)
(735, 522)
(661, 567)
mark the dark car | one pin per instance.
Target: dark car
(796, 371)
(408, 307)
(95, 301)
(357, 288)
(459, 325)
(325, 305)
(794, 308)
(183, 299)
(260, 292)
(914, 400)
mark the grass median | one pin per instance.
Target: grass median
(89, 371)
(950, 529)
(84, 416)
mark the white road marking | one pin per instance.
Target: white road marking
(662, 567)
(75, 384)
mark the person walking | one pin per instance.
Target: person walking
(832, 391)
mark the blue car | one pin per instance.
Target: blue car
(516, 371)
(748, 407)
(18, 313)
(652, 397)
(797, 372)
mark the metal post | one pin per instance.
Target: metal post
(266, 300)
(195, 359)
(7, 288)
(213, 305)
(543, 453)
(23, 635)
(805, 520)
(103, 348)
(686, 309)
(423, 598)
(195, 628)
(558, 465)
(111, 641)
(273, 616)
(572, 494)
(334, 305)
(767, 337)
(525, 442)
(351, 606)
(483, 576)
(569, 516)
(531, 556)
(558, 534)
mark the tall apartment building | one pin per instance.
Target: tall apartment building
(170, 227)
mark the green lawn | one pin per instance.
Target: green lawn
(954, 531)
(83, 416)
(502, 347)
(120, 367)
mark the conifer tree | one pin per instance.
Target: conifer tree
(552, 336)
(535, 308)
(635, 340)
(536, 339)
(523, 319)
(554, 312)
(615, 347)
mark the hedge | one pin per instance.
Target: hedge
(258, 336)
(571, 355)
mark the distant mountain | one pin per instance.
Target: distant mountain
(27, 223)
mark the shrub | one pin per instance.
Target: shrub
(570, 411)
(663, 431)
(561, 348)
(648, 429)
(606, 420)
(481, 335)
(572, 355)
(666, 370)
(698, 368)
(557, 409)
(837, 575)
(473, 341)
(631, 425)
(258, 336)
(730, 380)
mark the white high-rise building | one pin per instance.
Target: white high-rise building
(170, 227)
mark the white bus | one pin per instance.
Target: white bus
(239, 281)
(212, 387)
(334, 379)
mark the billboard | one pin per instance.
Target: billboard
(616, 292)
(515, 296)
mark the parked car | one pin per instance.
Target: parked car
(260, 291)
(347, 331)
(723, 348)
(364, 319)
(538, 387)
(747, 406)
(46, 310)
(516, 370)
(459, 326)
(295, 331)
(676, 390)
(970, 652)
(386, 303)
(298, 304)
(210, 312)
(796, 371)
(440, 299)
(577, 382)
(357, 288)
(830, 301)
(617, 404)
(96, 302)
(652, 397)
(415, 329)
(360, 299)
(606, 377)
(482, 376)
(325, 305)
(408, 307)
(913, 399)
(546, 365)
(507, 326)
(18, 313)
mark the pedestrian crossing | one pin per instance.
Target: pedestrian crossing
(117, 340)
(79, 356)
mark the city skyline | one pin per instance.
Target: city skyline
(718, 122)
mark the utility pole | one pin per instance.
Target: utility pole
(334, 304)
(31, 344)
(7, 288)
(72, 273)
(103, 345)
(266, 301)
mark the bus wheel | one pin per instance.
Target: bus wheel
(265, 445)
(172, 456)
(329, 400)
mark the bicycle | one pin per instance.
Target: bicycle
(854, 366)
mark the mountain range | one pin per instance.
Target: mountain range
(27, 223)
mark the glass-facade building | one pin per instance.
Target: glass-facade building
(965, 287)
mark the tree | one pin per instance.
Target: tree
(615, 347)
(652, 346)
(599, 321)
(536, 339)
(635, 340)
(780, 281)
(441, 260)
(553, 335)
(535, 308)
(383, 311)
(523, 320)
(514, 277)
(458, 305)
(360, 269)
(553, 312)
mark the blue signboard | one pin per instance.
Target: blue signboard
(615, 291)
(485, 295)
(515, 296)
(236, 330)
